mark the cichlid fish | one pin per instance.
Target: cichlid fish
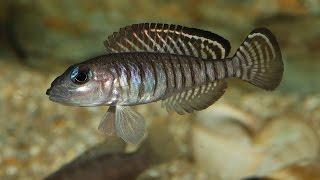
(185, 68)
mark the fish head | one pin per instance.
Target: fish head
(82, 84)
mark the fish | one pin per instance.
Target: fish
(185, 68)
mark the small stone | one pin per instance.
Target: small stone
(11, 170)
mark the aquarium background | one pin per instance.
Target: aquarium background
(249, 132)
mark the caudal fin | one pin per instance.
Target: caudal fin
(260, 59)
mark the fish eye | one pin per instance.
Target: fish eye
(80, 75)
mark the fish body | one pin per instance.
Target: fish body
(144, 77)
(185, 68)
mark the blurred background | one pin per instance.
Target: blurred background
(247, 133)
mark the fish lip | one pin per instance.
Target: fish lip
(53, 97)
(60, 100)
(48, 91)
(57, 98)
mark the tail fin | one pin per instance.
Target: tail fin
(260, 59)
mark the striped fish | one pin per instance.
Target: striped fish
(185, 68)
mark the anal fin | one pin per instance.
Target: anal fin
(195, 99)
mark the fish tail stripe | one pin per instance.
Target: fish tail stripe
(255, 53)
(164, 38)
(267, 54)
(243, 64)
(260, 60)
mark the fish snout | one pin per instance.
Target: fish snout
(54, 83)
(48, 91)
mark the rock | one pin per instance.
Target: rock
(177, 169)
(299, 171)
(225, 149)
(101, 163)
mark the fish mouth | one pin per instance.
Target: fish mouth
(53, 97)
(57, 98)
(48, 91)
(64, 100)
(61, 100)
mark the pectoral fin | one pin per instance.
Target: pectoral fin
(129, 125)
(107, 123)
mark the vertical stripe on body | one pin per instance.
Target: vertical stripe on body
(149, 83)
(135, 82)
(161, 80)
(124, 82)
(220, 69)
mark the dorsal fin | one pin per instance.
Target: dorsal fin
(165, 38)
(195, 99)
